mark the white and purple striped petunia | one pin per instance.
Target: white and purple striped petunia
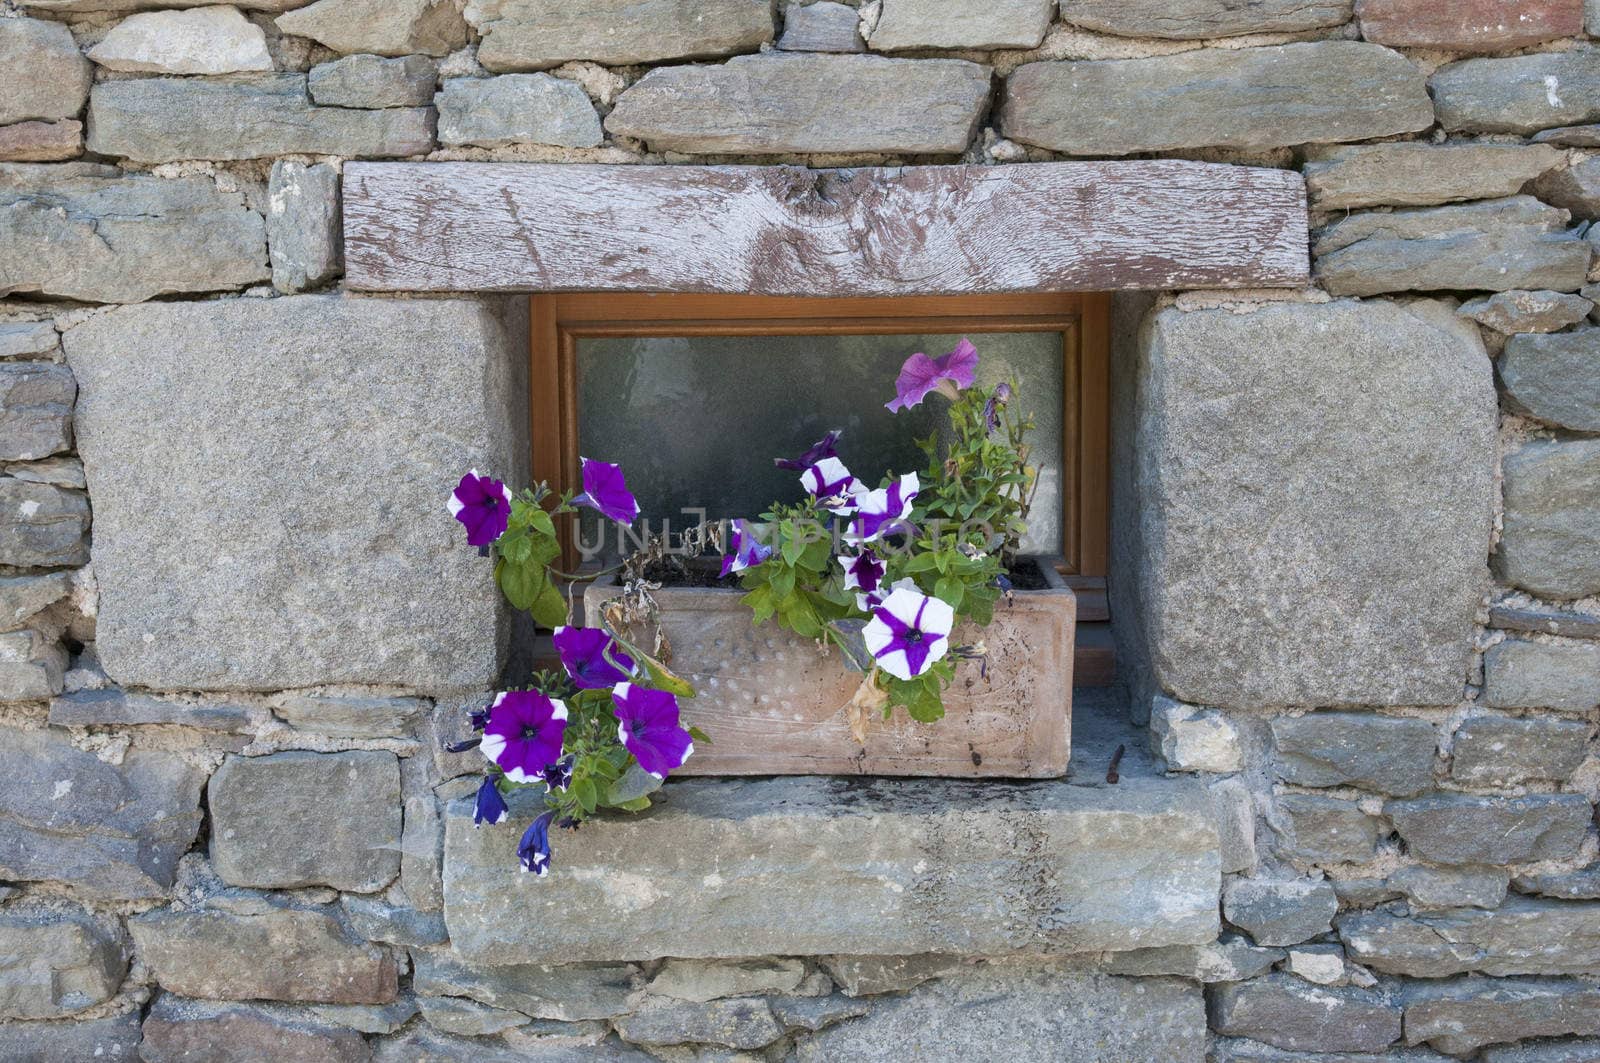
(831, 484)
(862, 572)
(649, 729)
(909, 632)
(534, 849)
(882, 511)
(946, 374)
(743, 550)
(605, 490)
(524, 733)
(483, 506)
(583, 653)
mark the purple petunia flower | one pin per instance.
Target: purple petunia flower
(558, 776)
(862, 572)
(583, 655)
(991, 409)
(822, 448)
(946, 374)
(909, 632)
(832, 485)
(534, 849)
(483, 506)
(743, 550)
(649, 728)
(882, 511)
(524, 733)
(605, 490)
(490, 807)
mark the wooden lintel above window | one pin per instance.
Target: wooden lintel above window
(786, 230)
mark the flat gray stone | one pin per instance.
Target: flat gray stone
(1339, 90)
(1013, 1012)
(1571, 136)
(1409, 174)
(303, 225)
(1279, 911)
(1586, 1050)
(296, 819)
(1523, 936)
(743, 1024)
(517, 109)
(63, 471)
(407, 927)
(35, 410)
(54, 964)
(1324, 830)
(703, 980)
(383, 27)
(1500, 751)
(42, 526)
(1555, 378)
(817, 1013)
(115, 707)
(27, 339)
(113, 6)
(373, 81)
(861, 976)
(349, 717)
(1520, 94)
(1574, 188)
(570, 993)
(369, 1018)
(1190, 738)
(46, 76)
(289, 954)
(1550, 544)
(1437, 887)
(115, 832)
(1582, 885)
(206, 40)
(31, 666)
(821, 27)
(422, 856)
(467, 1017)
(538, 34)
(170, 119)
(1364, 489)
(1290, 1013)
(377, 394)
(1496, 245)
(419, 1044)
(1203, 19)
(1519, 674)
(1543, 621)
(1462, 829)
(1463, 1015)
(797, 102)
(828, 865)
(23, 596)
(86, 233)
(1512, 312)
(976, 24)
(203, 1031)
(115, 1040)
(1231, 959)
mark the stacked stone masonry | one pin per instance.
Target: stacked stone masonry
(1356, 590)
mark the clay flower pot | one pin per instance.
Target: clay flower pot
(776, 704)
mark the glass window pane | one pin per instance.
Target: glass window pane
(696, 421)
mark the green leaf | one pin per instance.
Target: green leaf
(521, 583)
(634, 784)
(782, 584)
(638, 804)
(760, 602)
(920, 563)
(550, 608)
(951, 590)
(700, 737)
(793, 545)
(584, 791)
(816, 556)
(802, 619)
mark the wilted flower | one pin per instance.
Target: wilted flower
(832, 485)
(490, 807)
(583, 654)
(909, 632)
(991, 409)
(946, 374)
(534, 849)
(558, 776)
(605, 490)
(822, 448)
(483, 506)
(879, 512)
(743, 550)
(524, 733)
(648, 727)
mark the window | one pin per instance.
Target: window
(695, 394)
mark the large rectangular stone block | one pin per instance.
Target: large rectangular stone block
(810, 866)
(537, 34)
(1314, 484)
(269, 480)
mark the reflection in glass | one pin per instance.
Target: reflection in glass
(696, 421)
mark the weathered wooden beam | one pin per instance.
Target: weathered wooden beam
(784, 230)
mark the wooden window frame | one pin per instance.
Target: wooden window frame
(559, 321)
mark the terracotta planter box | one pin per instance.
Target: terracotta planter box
(774, 704)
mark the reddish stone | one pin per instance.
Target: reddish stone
(41, 141)
(1468, 25)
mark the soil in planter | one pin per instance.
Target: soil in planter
(1025, 575)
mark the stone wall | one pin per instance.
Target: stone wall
(1356, 585)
